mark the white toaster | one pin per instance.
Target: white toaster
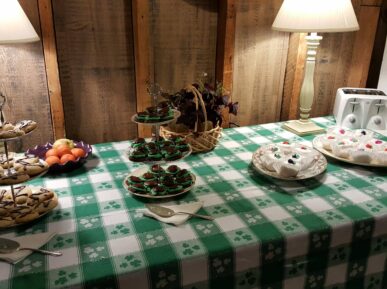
(361, 108)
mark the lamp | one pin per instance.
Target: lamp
(14, 28)
(313, 16)
(14, 24)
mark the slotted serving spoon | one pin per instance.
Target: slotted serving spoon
(8, 246)
(167, 212)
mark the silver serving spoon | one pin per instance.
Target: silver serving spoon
(8, 246)
(167, 212)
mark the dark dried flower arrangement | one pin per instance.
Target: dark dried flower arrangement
(215, 100)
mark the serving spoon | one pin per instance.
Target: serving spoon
(167, 212)
(8, 246)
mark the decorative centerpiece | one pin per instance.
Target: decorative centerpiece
(200, 122)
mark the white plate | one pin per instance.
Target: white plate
(318, 167)
(176, 114)
(139, 172)
(318, 146)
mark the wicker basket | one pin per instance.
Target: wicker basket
(199, 141)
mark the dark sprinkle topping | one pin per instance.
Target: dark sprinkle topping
(290, 161)
(363, 132)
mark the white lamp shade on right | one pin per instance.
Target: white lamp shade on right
(15, 27)
(316, 16)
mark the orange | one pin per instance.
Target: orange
(52, 160)
(78, 152)
(63, 150)
(51, 152)
(66, 157)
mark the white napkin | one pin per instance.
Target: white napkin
(176, 219)
(30, 241)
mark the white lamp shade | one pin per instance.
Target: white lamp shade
(316, 16)
(14, 24)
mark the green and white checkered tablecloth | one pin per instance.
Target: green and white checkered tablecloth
(325, 232)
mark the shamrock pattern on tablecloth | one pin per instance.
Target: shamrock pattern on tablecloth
(61, 214)
(131, 261)
(315, 281)
(221, 265)
(296, 209)
(166, 279)
(201, 189)
(63, 277)
(373, 282)
(156, 238)
(29, 265)
(319, 240)
(337, 200)
(120, 230)
(379, 244)
(189, 248)
(295, 267)
(112, 205)
(114, 160)
(374, 192)
(253, 218)
(355, 269)
(212, 178)
(374, 207)
(79, 180)
(104, 185)
(242, 236)
(362, 230)
(95, 252)
(375, 179)
(231, 196)
(272, 252)
(242, 183)
(62, 241)
(248, 279)
(338, 255)
(263, 202)
(206, 229)
(88, 223)
(85, 199)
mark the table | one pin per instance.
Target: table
(326, 232)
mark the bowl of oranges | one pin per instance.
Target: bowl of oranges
(63, 155)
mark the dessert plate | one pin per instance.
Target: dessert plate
(176, 114)
(139, 172)
(317, 144)
(162, 161)
(33, 188)
(318, 167)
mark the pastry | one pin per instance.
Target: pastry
(341, 148)
(381, 156)
(287, 168)
(363, 134)
(137, 156)
(328, 140)
(362, 155)
(13, 178)
(340, 132)
(173, 169)
(26, 217)
(26, 125)
(6, 222)
(46, 205)
(154, 155)
(30, 165)
(286, 147)
(182, 173)
(171, 154)
(134, 180)
(185, 181)
(4, 163)
(270, 158)
(148, 177)
(173, 188)
(159, 190)
(22, 194)
(375, 144)
(138, 142)
(157, 170)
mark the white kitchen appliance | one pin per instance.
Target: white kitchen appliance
(361, 108)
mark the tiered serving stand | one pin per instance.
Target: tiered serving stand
(10, 171)
(144, 169)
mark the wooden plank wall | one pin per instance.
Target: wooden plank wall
(23, 80)
(183, 37)
(259, 62)
(96, 65)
